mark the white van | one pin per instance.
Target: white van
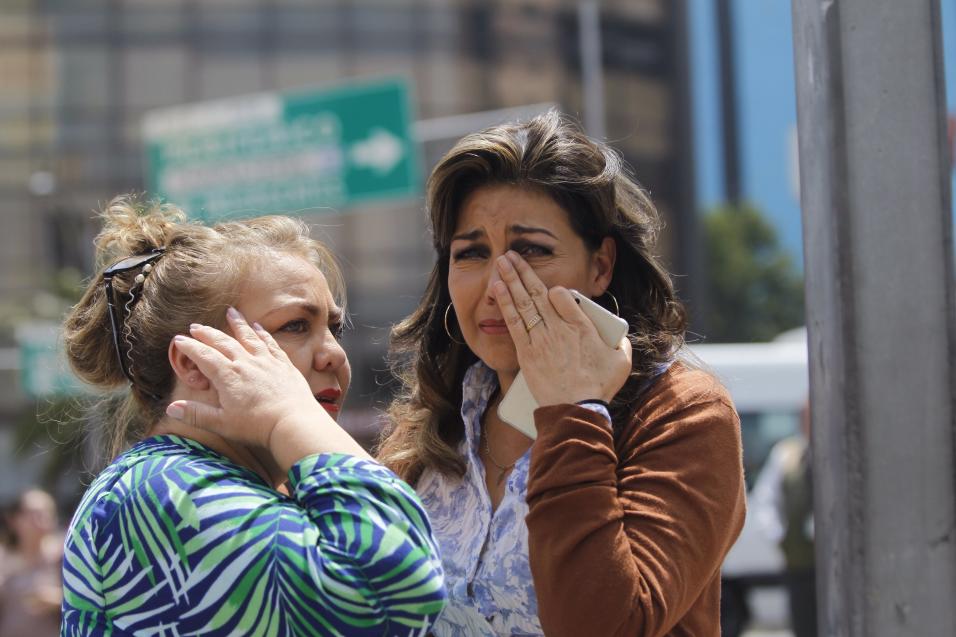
(769, 383)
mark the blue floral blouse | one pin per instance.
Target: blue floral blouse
(484, 553)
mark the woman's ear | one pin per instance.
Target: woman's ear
(187, 373)
(602, 266)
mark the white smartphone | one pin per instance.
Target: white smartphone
(518, 405)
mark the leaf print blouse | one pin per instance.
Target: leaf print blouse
(175, 539)
(485, 554)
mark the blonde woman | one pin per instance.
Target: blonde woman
(229, 512)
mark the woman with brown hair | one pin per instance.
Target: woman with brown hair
(616, 518)
(235, 504)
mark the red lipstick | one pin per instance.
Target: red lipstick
(329, 398)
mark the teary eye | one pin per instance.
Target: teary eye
(528, 250)
(470, 252)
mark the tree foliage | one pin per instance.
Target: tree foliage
(754, 290)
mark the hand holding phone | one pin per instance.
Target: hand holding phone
(518, 405)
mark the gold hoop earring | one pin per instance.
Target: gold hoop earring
(448, 331)
(617, 308)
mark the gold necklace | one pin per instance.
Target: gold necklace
(502, 469)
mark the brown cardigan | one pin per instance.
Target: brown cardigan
(628, 538)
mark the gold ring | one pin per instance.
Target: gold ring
(534, 321)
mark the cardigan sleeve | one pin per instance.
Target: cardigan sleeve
(627, 545)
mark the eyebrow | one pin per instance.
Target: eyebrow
(471, 235)
(309, 308)
(519, 229)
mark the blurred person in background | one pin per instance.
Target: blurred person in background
(616, 519)
(782, 502)
(258, 514)
(30, 589)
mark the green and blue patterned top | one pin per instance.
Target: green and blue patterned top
(175, 539)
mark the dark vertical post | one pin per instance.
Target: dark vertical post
(878, 247)
(116, 68)
(592, 68)
(690, 244)
(728, 101)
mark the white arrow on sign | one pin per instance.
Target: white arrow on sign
(380, 152)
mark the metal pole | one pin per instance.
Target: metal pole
(592, 68)
(728, 101)
(690, 246)
(880, 314)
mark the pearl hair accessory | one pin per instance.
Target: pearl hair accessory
(139, 278)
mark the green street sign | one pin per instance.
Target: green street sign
(284, 152)
(44, 371)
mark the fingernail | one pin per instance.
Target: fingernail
(179, 338)
(504, 263)
(512, 255)
(258, 327)
(175, 411)
(194, 326)
(500, 287)
(232, 313)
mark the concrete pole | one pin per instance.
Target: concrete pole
(592, 68)
(728, 101)
(880, 313)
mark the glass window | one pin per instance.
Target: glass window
(20, 133)
(645, 10)
(399, 63)
(77, 24)
(155, 76)
(440, 85)
(16, 26)
(151, 19)
(28, 77)
(83, 133)
(382, 19)
(383, 29)
(110, 170)
(440, 27)
(127, 173)
(229, 16)
(60, 6)
(313, 23)
(639, 109)
(84, 77)
(523, 82)
(294, 71)
(14, 172)
(226, 76)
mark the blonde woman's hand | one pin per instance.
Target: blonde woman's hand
(263, 400)
(562, 356)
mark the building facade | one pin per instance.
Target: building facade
(79, 74)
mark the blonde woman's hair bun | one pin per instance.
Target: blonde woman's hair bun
(133, 224)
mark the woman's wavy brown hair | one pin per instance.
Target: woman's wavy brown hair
(551, 154)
